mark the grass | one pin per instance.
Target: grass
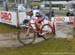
(43, 48)
(60, 46)
(7, 29)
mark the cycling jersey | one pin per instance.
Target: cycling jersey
(35, 11)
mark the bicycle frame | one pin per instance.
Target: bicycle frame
(40, 31)
(31, 36)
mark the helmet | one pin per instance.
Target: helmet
(38, 14)
(30, 13)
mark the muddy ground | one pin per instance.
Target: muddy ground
(10, 39)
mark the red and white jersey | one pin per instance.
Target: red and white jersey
(32, 21)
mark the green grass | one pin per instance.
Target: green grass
(44, 48)
(7, 29)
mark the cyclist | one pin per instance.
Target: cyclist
(38, 19)
(28, 18)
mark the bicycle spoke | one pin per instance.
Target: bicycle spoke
(25, 39)
(48, 31)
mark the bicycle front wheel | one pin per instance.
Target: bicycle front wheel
(47, 31)
(26, 39)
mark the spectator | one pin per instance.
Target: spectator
(48, 14)
(52, 13)
(68, 13)
(72, 14)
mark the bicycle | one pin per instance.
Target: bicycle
(34, 33)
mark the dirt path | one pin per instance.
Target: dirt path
(63, 30)
(10, 39)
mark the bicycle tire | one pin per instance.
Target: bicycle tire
(25, 40)
(49, 33)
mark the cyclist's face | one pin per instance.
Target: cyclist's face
(31, 14)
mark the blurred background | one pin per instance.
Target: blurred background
(55, 7)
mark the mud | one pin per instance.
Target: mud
(10, 39)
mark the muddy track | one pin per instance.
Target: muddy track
(10, 39)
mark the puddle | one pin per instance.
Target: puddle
(63, 30)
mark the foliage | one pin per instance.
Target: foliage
(6, 28)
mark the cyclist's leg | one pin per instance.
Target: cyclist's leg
(27, 33)
(38, 24)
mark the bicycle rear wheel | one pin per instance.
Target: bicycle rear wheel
(26, 39)
(47, 31)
